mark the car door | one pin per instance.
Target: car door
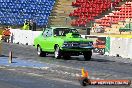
(42, 40)
(47, 40)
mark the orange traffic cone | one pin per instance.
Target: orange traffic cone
(84, 73)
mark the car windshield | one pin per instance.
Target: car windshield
(64, 31)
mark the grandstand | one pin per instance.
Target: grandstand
(119, 20)
(88, 13)
(113, 15)
(89, 9)
(14, 12)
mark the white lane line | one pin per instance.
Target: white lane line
(11, 69)
(45, 68)
(2, 67)
(34, 74)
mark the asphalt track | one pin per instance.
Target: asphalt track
(100, 67)
(11, 79)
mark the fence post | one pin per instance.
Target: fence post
(10, 57)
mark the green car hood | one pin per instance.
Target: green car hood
(73, 38)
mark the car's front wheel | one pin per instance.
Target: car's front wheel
(40, 52)
(57, 52)
(87, 55)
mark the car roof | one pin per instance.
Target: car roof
(61, 27)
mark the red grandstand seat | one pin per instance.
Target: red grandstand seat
(71, 14)
(102, 24)
(81, 1)
(77, 0)
(128, 3)
(121, 13)
(76, 14)
(75, 23)
(123, 9)
(79, 10)
(77, 4)
(87, 5)
(79, 22)
(90, 9)
(114, 21)
(122, 18)
(108, 21)
(76, 11)
(82, 24)
(105, 18)
(97, 21)
(84, 10)
(82, 17)
(117, 8)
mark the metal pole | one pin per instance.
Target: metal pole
(10, 57)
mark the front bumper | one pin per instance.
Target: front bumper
(79, 49)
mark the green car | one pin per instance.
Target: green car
(63, 42)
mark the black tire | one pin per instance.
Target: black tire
(40, 52)
(87, 55)
(57, 53)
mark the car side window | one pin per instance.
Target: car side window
(47, 32)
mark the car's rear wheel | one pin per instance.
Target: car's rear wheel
(57, 52)
(87, 55)
(40, 52)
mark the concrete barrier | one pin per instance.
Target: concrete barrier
(23, 36)
(129, 47)
(121, 47)
(15, 35)
(116, 45)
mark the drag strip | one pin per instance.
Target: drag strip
(103, 67)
